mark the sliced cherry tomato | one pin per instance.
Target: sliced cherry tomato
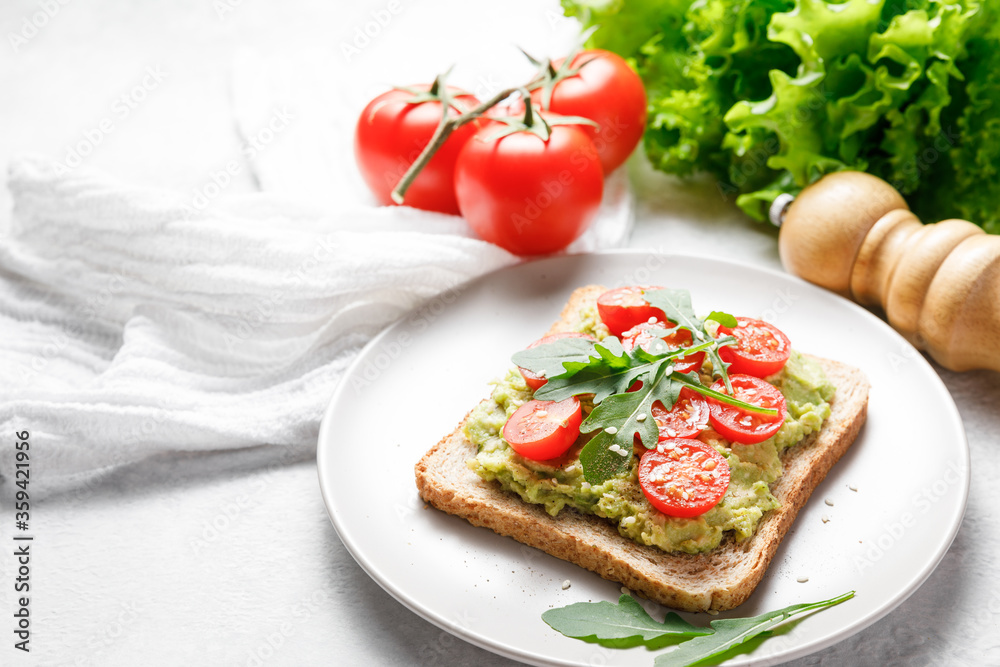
(536, 381)
(743, 427)
(624, 307)
(543, 430)
(761, 349)
(610, 93)
(686, 419)
(642, 336)
(683, 478)
(390, 134)
(529, 195)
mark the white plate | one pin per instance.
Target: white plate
(416, 381)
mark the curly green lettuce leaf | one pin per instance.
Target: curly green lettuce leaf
(770, 95)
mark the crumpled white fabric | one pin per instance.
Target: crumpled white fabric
(132, 324)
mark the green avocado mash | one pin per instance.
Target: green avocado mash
(560, 483)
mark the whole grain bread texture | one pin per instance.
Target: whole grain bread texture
(719, 579)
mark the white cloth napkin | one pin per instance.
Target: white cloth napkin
(132, 325)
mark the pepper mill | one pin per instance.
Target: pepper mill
(939, 284)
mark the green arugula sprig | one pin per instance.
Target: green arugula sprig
(676, 305)
(577, 366)
(619, 625)
(628, 624)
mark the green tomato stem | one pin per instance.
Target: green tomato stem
(444, 130)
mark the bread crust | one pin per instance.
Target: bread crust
(719, 579)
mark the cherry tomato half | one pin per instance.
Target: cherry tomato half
(683, 478)
(528, 195)
(609, 92)
(761, 349)
(686, 419)
(536, 381)
(390, 134)
(742, 427)
(641, 335)
(624, 307)
(543, 430)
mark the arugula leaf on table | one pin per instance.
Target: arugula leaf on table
(731, 632)
(618, 625)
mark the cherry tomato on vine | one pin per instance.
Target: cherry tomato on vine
(686, 419)
(761, 349)
(624, 307)
(390, 134)
(683, 478)
(607, 91)
(536, 381)
(526, 194)
(747, 428)
(642, 335)
(543, 430)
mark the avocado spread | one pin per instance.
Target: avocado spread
(560, 482)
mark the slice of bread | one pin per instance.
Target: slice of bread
(719, 579)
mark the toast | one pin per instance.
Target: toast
(719, 579)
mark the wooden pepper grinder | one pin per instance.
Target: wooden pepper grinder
(939, 284)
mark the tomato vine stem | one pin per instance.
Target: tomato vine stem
(441, 134)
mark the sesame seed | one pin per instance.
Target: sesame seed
(826, 519)
(852, 487)
(713, 612)
(611, 430)
(802, 580)
(566, 584)
(555, 481)
(652, 320)
(641, 417)
(828, 502)
(585, 486)
(626, 591)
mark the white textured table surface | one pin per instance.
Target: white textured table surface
(230, 558)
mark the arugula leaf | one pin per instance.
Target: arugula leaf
(609, 624)
(732, 632)
(561, 357)
(612, 372)
(725, 319)
(676, 305)
(604, 369)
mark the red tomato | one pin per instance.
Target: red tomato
(543, 430)
(683, 478)
(528, 195)
(761, 349)
(391, 133)
(609, 92)
(623, 308)
(747, 428)
(686, 419)
(642, 336)
(536, 381)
